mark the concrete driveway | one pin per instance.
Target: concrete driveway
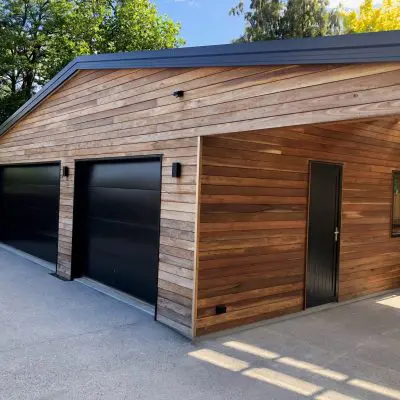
(63, 340)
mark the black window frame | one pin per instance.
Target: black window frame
(395, 173)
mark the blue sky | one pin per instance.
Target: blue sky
(206, 22)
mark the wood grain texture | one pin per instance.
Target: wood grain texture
(178, 206)
(253, 217)
(117, 113)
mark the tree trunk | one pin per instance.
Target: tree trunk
(13, 79)
(27, 84)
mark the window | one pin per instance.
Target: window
(396, 204)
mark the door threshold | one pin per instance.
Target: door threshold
(46, 264)
(118, 295)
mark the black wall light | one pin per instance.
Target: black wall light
(65, 171)
(179, 94)
(176, 170)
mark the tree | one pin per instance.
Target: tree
(263, 20)
(373, 19)
(23, 29)
(39, 37)
(309, 18)
(280, 19)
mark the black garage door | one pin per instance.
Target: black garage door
(116, 224)
(29, 204)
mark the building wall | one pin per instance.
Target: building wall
(253, 217)
(69, 126)
(114, 113)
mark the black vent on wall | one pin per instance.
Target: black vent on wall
(220, 309)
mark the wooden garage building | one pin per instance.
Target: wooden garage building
(224, 185)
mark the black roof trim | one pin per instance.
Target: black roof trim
(344, 49)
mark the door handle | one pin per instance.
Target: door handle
(336, 233)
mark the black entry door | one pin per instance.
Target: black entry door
(116, 224)
(29, 205)
(323, 233)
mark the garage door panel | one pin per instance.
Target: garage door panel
(42, 196)
(126, 276)
(41, 246)
(116, 224)
(135, 267)
(141, 283)
(22, 206)
(33, 236)
(119, 236)
(130, 205)
(141, 254)
(32, 174)
(25, 212)
(32, 221)
(146, 175)
(29, 209)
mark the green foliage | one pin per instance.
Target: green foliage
(280, 19)
(283, 19)
(39, 37)
(263, 21)
(11, 102)
(132, 26)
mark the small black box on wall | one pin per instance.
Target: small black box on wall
(176, 170)
(220, 309)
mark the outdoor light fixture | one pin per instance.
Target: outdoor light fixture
(65, 171)
(179, 94)
(176, 170)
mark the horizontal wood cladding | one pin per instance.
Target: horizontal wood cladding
(253, 217)
(47, 142)
(122, 108)
(117, 113)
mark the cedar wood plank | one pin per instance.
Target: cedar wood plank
(116, 113)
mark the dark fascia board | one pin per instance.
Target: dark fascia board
(344, 49)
